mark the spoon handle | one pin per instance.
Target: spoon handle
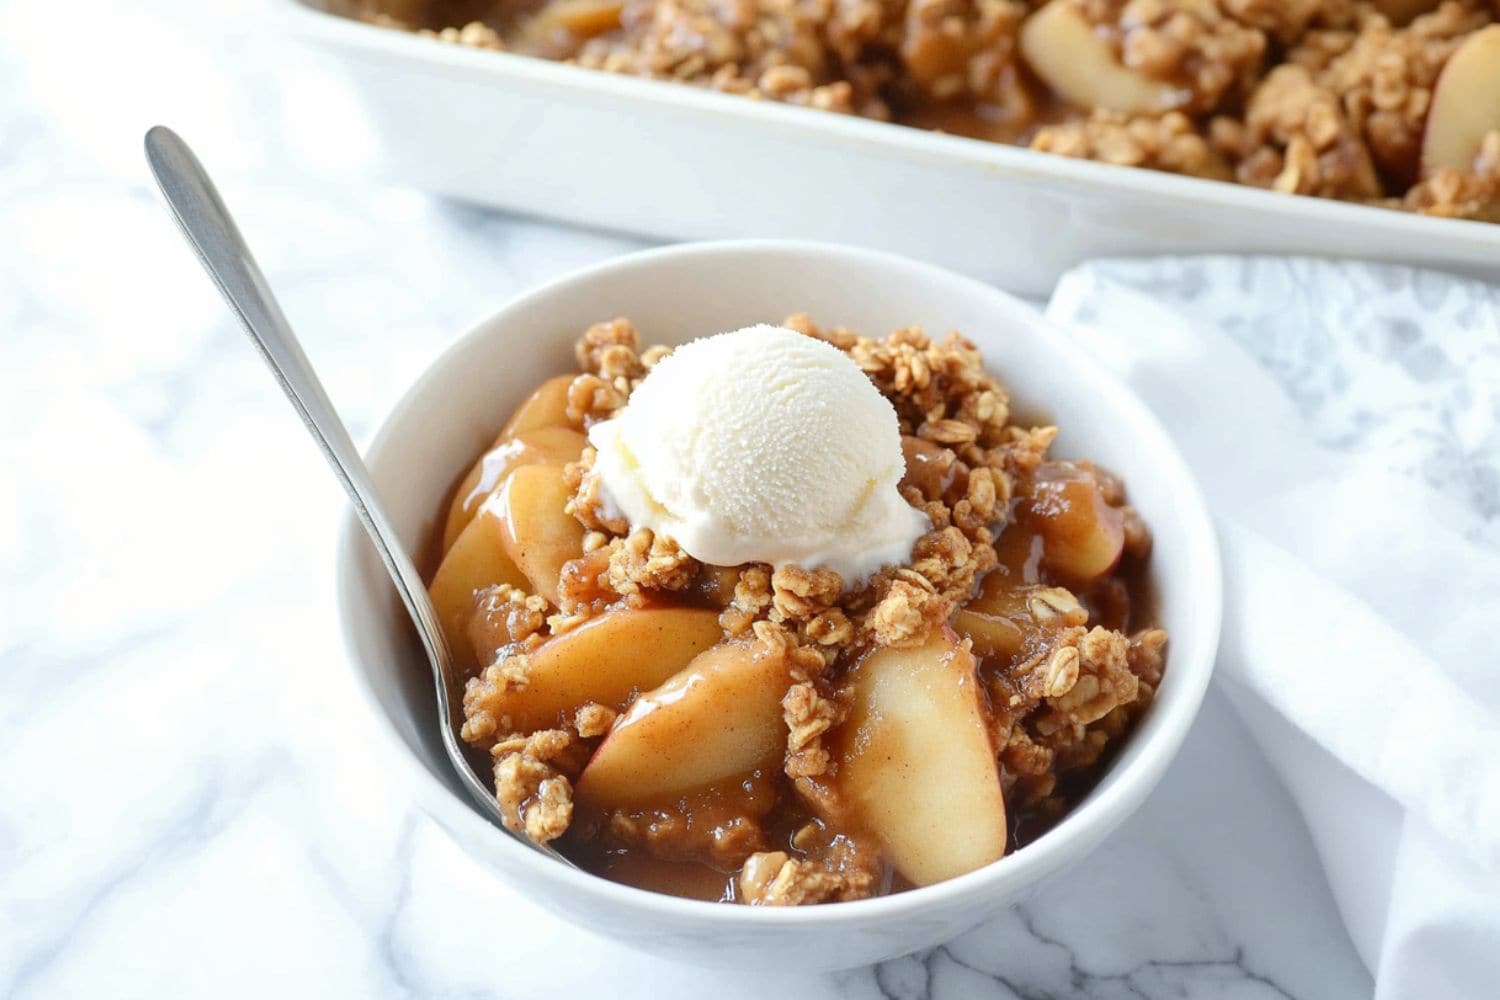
(211, 230)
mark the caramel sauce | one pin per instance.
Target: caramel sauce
(972, 121)
(688, 845)
(688, 879)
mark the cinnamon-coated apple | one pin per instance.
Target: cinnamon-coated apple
(991, 632)
(541, 446)
(605, 660)
(539, 535)
(718, 718)
(917, 767)
(546, 407)
(1465, 103)
(1064, 50)
(1005, 614)
(477, 559)
(929, 467)
(577, 19)
(1083, 536)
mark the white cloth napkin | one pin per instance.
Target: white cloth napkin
(1344, 420)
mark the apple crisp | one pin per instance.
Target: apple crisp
(1386, 102)
(777, 735)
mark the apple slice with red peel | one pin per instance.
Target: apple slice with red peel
(917, 769)
(477, 559)
(605, 660)
(1465, 103)
(718, 718)
(1082, 536)
(539, 535)
(546, 407)
(542, 446)
(1062, 47)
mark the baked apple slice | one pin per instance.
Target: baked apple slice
(918, 770)
(477, 559)
(538, 534)
(561, 22)
(546, 407)
(718, 718)
(992, 632)
(1465, 103)
(1003, 616)
(1062, 47)
(929, 467)
(542, 446)
(604, 660)
(1083, 536)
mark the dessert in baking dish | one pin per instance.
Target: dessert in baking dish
(1388, 102)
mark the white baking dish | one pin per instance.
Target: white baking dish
(676, 162)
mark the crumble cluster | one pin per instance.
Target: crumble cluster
(847, 869)
(1295, 139)
(1169, 143)
(1320, 97)
(1343, 117)
(1056, 709)
(1207, 56)
(1461, 194)
(1383, 77)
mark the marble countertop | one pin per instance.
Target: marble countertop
(187, 806)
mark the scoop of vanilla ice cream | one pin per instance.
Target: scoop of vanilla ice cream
(762, 445)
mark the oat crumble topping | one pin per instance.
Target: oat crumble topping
(1383, 77)
(1474, 194)
(1083, 671)
(1295, 138)
(1169, 143)
(1193, 44)
(532, 781)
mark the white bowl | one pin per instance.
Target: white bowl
(673, 295)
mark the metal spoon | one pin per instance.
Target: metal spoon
(209, 228)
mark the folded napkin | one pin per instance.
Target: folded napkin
(1344, 420)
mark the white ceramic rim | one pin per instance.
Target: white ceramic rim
(1001, 159)
(1101, 811)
